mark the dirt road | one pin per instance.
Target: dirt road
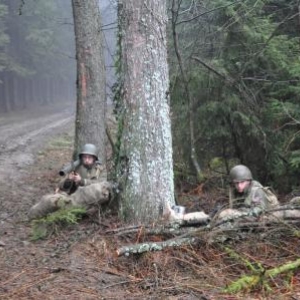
(23, 134)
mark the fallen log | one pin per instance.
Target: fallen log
(151, 246)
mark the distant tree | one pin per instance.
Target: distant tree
(37, 60)
(146, 144)
(4, 41)
(91, 95)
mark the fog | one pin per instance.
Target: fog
(37, 53)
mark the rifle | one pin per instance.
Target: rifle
(70, 167)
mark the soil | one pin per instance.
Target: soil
(79, 261)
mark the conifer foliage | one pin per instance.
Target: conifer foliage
(242, 64)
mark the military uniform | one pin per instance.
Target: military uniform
(255, 196)
(93, 189)
(89, 176)
(254, 199)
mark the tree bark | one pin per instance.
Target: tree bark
(91, 95)
(146, 144)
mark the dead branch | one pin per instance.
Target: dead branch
(211, 232)
(250, 281)
(158, 246)
(121, 230)
(159, 231)
(175, 228)
(193, 235)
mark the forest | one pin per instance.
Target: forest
(234, 80)
(242, 73)
(193, 88)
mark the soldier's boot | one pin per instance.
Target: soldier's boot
(48, 204)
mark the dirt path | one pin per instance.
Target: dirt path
(23, 134)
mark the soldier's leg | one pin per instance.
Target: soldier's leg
(96, 193)
(285, 213)
(282, 214)
(48, 204)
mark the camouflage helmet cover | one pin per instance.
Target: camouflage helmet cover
(240, 173)
(90, 149)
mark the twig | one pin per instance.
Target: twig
(119, 283)
(186, 90)
(175, 227)
(124, 229)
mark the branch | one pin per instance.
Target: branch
(269, 80)
(158, 246)
(193, 235)
(187, 92)
(251, 281)
(110, 139)
(210, 68)
(175, 226)
(207, 12)
(227, 79)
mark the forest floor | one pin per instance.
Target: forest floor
(80, 261)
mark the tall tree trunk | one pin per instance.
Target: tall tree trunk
(146, 141)
(4, 94)
(91, 95)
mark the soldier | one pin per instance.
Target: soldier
(86, 186)
(247, 195)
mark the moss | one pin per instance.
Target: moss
(43, 227)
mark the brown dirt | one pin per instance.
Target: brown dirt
(80, 262)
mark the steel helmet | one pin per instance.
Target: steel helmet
(90, 149)
(240, 173)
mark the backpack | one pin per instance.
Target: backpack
(271, 197)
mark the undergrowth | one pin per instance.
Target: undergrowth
(43, 227)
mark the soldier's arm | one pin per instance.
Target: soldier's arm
(259, 199)
(98, 176)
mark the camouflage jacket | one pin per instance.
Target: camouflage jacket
(88, 176)
(255, 196)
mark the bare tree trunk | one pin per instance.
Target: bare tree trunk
(91, 95)
(194, 159)
(146, 141)
(4, 93)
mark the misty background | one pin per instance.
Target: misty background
(37, 52)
